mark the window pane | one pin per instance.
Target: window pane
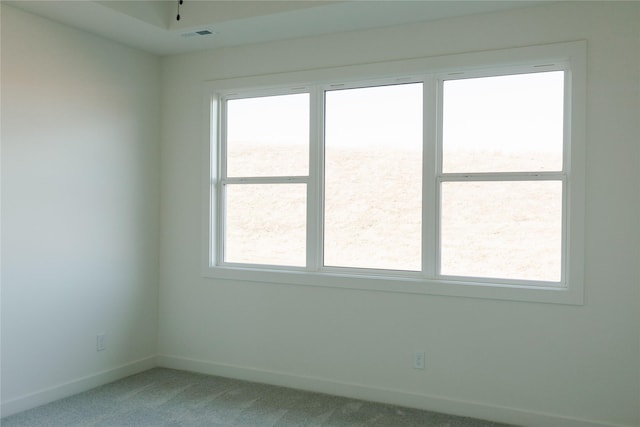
(507, 230)
(503, 124)
(373, 177)
(266, 224)
(268, 136)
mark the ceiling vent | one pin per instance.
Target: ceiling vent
(197, 33)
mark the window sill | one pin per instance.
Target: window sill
(541, 293)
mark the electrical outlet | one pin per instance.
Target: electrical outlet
(101, 342)
(418, 360)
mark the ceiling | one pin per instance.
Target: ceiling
(151, 25)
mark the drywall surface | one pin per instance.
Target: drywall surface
(526, 363)
(80, 208)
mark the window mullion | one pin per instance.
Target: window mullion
(430, 168)
(314, 187)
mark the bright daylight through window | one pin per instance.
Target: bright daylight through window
(451, 178)
(265, 217)
(373, 177)
(502, 177)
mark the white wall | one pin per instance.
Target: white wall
(80, 209)
(527, 363)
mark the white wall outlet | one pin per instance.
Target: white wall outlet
(101, 342)
(418, 360)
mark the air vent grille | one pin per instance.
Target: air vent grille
(197, 33)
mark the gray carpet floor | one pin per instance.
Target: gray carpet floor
(166, 397)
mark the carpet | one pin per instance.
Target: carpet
(165, 397)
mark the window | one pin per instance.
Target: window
(373, 177)
(441, 179)
(502, 178)
(266, 173)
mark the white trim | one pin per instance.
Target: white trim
(518, 57)
(315, 189)
(569, 55)
(266, 180)
(427, 402)
(448, 286)
(501, 176)
(209, 159)
(430, 132)
(79, 385)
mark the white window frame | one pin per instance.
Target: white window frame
(217, 245)
(569, 56)
(527, 176)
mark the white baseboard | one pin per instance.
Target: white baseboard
(41, 397)
(396, 397)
